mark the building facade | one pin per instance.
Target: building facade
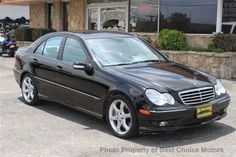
(143, 16)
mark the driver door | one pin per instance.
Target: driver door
(75, 86)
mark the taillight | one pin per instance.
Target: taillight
(17, 61)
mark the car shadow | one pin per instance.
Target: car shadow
(165, 139)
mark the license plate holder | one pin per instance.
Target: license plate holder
(204, 112)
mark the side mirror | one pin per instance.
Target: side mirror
(87, 67)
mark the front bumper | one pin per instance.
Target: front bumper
(182, 117)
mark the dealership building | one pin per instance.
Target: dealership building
(143, 16)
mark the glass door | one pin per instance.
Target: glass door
(92, 19)
(107, 17)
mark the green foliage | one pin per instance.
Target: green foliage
(213, 48)
(171, 40)
(24, 34)
(31, 34)
(227, 42)
(38, 32)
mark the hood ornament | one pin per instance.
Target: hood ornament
(195, 81)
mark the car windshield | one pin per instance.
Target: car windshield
(122, 51)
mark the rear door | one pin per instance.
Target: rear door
(44, 63)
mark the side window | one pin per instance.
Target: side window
(39, 50)
(52, 47)
(73, 51)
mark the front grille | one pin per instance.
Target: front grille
(197, 96)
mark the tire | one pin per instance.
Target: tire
(11, 53)
(122, 120)
(29, 90)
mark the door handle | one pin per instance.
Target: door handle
(35, 60)
(59, 68)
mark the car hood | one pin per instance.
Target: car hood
(170, 76)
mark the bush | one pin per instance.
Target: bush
(24, 34)
(213, 48)
(171, 40)
(38, 32)
(227, 42)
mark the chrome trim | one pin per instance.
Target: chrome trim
(89, 112)
(224, 100)
(199, 97)
(68, 88)
(166, 111)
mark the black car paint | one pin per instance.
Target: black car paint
(60, 82)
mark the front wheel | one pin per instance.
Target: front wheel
(29, 90)
(122, 118)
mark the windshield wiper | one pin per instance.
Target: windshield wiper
(147, 61)
(136, 62)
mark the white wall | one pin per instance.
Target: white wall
(14, 11)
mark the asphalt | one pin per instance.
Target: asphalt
(53, 130)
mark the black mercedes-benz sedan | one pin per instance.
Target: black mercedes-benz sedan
(119, 78)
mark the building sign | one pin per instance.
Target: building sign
(229, 8)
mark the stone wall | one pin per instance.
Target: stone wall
(76, 15)
(57, 22)
(38, 15)
(193, 40)
(222, 65)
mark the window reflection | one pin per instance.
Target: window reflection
(113, 19)
(143, 15)
(189, 16)
(229, 16)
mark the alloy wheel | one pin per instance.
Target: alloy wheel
(28, 89)
(120, 117)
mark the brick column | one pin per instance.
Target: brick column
(77, 14)
(57, 22)
(38, 15)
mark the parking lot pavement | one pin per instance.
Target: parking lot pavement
(51, 129)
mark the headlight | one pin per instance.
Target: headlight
(219, 88)
(159, 99)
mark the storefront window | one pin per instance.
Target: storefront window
(104, 1)
(113, 19)
(143, 15)
(93, 19)
(229, 17)
(189, 16)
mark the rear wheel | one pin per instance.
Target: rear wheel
(29, 90)
(122, 118)
(11, 53)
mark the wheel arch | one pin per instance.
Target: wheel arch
(22, 76)
(112, 94)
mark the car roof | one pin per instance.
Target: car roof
(97, 34)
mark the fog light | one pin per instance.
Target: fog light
(163, 123)
(225, 110)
